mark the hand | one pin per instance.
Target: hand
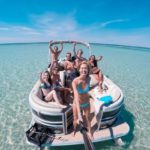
(50, 42)
(100, 57)
(100, 83)
(75, 43)
(80, 119)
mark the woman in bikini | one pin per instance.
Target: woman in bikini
(48, 92)
(81, 97)
(93, 60)
(95, 71)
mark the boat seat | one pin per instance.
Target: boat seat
(38, 102)
(112, 90)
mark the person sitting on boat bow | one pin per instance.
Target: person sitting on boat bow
(56, 82)
(93, 60)
(95, 71)
(48, 92)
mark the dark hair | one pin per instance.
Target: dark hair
(80, 50)
(69, 53)
(95, 61)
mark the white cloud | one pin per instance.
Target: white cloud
(104, 24)
(4, 28)
(57, 27)
(11, 29)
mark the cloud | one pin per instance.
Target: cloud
(104, 24)
(18, 29)
(55, 26)
(4, 28)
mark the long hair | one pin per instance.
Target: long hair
(95, 61)
(86, 63)
(49, 77)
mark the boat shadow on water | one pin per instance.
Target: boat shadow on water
(129, 118)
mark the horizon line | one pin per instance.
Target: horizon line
(109, 44)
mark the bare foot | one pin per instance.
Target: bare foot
(100, 90)
(74, 133)
(91, 136)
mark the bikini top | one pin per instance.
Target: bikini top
(45, 86)
(83, 91)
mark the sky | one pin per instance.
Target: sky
(124, 22)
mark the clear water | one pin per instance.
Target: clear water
(20, 65)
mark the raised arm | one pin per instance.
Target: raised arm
(50, 47)
(74, 49)
(99, 58)
(61, 48)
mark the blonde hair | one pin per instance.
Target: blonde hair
(86, 63)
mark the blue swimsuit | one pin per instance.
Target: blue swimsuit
(83, 91)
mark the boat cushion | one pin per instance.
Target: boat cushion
(106, 99)
(37, 102)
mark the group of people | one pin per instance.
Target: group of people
(77, 82)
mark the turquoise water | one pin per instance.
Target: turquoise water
(20, 65)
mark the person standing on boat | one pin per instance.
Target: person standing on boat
(78, 58)
(81, 87)
(55, 53)
(48, 91)
(70, 71)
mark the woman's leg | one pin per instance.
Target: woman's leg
(49, 97)
(101, 79)
(53, 95)
(58, 99)
(75, 118)
(87, 117)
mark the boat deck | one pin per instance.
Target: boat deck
(118, 129)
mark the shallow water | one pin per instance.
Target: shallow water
(20, 65)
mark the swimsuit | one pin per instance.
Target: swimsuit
(45, 86)
(84, 105)
(83, 91)
(70, 75)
